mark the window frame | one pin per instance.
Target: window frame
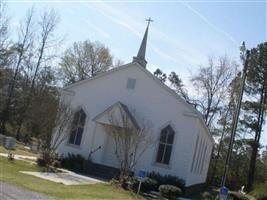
(76, 127)
(166, 144)
(131, 83)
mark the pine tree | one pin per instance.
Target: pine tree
(255, 106)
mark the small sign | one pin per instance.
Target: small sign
(141, 177)
(224, 193)
(142, 174)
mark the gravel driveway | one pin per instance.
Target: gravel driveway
(11, 192)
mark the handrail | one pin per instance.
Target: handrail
(93, 151)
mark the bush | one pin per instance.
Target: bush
(170, 191)
(259, 191)
(56, 163)
(124, 182)
(207, 196)
(73, 162)
(261, 197)
(167, 180)
(133, 184)
(238, 196)
(149, 184)
(41, 162)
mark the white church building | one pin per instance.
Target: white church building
(183, 143)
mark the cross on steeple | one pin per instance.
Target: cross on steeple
(140, 58)
(149, 20)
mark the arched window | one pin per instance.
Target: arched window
(165, 145)
(77, 127)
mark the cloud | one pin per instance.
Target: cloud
(181, 53)
(116, 16)
(70, 11)
(93, 26)
(97, 29)
(163, 54)
(15, 24)
(216, 28)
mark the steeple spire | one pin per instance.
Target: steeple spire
(140, 58)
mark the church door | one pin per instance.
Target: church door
(109, 157)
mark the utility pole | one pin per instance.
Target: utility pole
(244, 54)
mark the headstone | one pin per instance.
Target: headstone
(10, 143)
(34, 147)
(2, 139)
(224, 193)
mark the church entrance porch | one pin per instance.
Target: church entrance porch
(116, 124)
(109, 155)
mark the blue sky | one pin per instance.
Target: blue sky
(183, 35)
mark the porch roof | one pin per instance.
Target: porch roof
(117, 114)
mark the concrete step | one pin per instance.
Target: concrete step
(99, 170)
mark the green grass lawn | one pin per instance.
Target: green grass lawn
(9, 172)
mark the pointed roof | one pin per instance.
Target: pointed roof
(115, 115)
(140, 58)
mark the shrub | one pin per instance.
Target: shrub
(124, 182)
(41, 162)
(10, 156)
(170, 191)
(261, 197)
(149, 184)
(167, 180)
(133, 184)
(207, 196)
(238, 196)
(259, 191)
(56, 163)
(174, 180)
(73, 162)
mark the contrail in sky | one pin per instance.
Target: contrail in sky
(227, 35)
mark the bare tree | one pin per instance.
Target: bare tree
(21, 48)
(55, 129)
(4, 20)
(117, 63)
(131, 140)
(46, 42)
(84, 60)
(48, 23)
(211, 83)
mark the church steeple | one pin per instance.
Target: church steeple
(141, 55)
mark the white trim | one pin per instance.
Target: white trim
(196, 142)
(73, 145)
(77, 109)
(203, 158)
(193, 115)
(154, 161)
(80, 106)
(198, 155)
(105, 145)
(93, 137)
(66, 91)
(97, 76)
